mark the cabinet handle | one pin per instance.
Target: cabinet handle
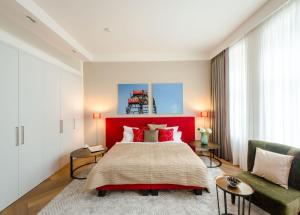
(17, 136)
(74, 123)
(22, 135)
(61, 126)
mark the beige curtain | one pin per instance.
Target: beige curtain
(220, 105)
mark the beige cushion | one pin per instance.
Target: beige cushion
(156, 126)
(273, 166)
(151, 136)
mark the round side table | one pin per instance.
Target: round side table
(211, 148)
(243, 191)
(83, 153)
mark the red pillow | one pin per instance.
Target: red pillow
(165, 135)
(138, 135)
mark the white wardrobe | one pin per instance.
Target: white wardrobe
(41, 121)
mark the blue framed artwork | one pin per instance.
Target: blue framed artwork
(167, 98)
(133, 99)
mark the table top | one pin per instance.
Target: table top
(243, 189)
(201, 147)
(85, 153)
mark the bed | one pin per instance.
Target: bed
(148, 166)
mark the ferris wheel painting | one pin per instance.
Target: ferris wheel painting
(133, 99)
(167, 98)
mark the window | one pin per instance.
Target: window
(264, 83)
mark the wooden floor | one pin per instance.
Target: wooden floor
(38, 198)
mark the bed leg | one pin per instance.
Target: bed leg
(198, 192)
(145, 192)
(154, 192)
(101, 193)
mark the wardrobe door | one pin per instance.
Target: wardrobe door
(32, 121)
(78, 112)
(51, 118)
(71, 114)
(8, 125)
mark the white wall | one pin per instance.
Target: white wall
(101, 93)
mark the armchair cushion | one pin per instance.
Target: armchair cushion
(271, 197)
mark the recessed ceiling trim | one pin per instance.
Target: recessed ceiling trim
(18, 43)
(132, 57)
(39, 13)
(144, 26)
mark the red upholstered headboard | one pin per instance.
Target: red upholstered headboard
(114, 126)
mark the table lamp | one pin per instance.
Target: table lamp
(97, 116)
(204, 115)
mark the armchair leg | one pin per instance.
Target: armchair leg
(233, 199)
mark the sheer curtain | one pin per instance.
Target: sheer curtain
(238, 101)
(264, 83)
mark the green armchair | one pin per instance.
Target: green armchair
(269, 196)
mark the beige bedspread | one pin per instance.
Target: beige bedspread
(149, 163)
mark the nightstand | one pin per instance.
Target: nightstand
(211, 148)
(83, 153)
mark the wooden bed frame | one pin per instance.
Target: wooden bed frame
(114, 133)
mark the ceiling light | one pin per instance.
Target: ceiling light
(106, 29)
(30, 19)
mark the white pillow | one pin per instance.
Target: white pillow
(273, 166)
(177, 136)
(128, 134)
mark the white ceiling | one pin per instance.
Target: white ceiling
(146, 29)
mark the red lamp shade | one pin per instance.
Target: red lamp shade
(203, 114)
(96, 115)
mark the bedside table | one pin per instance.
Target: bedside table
(211, 148)
(83, 153)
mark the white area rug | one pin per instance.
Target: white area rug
(73, 200)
